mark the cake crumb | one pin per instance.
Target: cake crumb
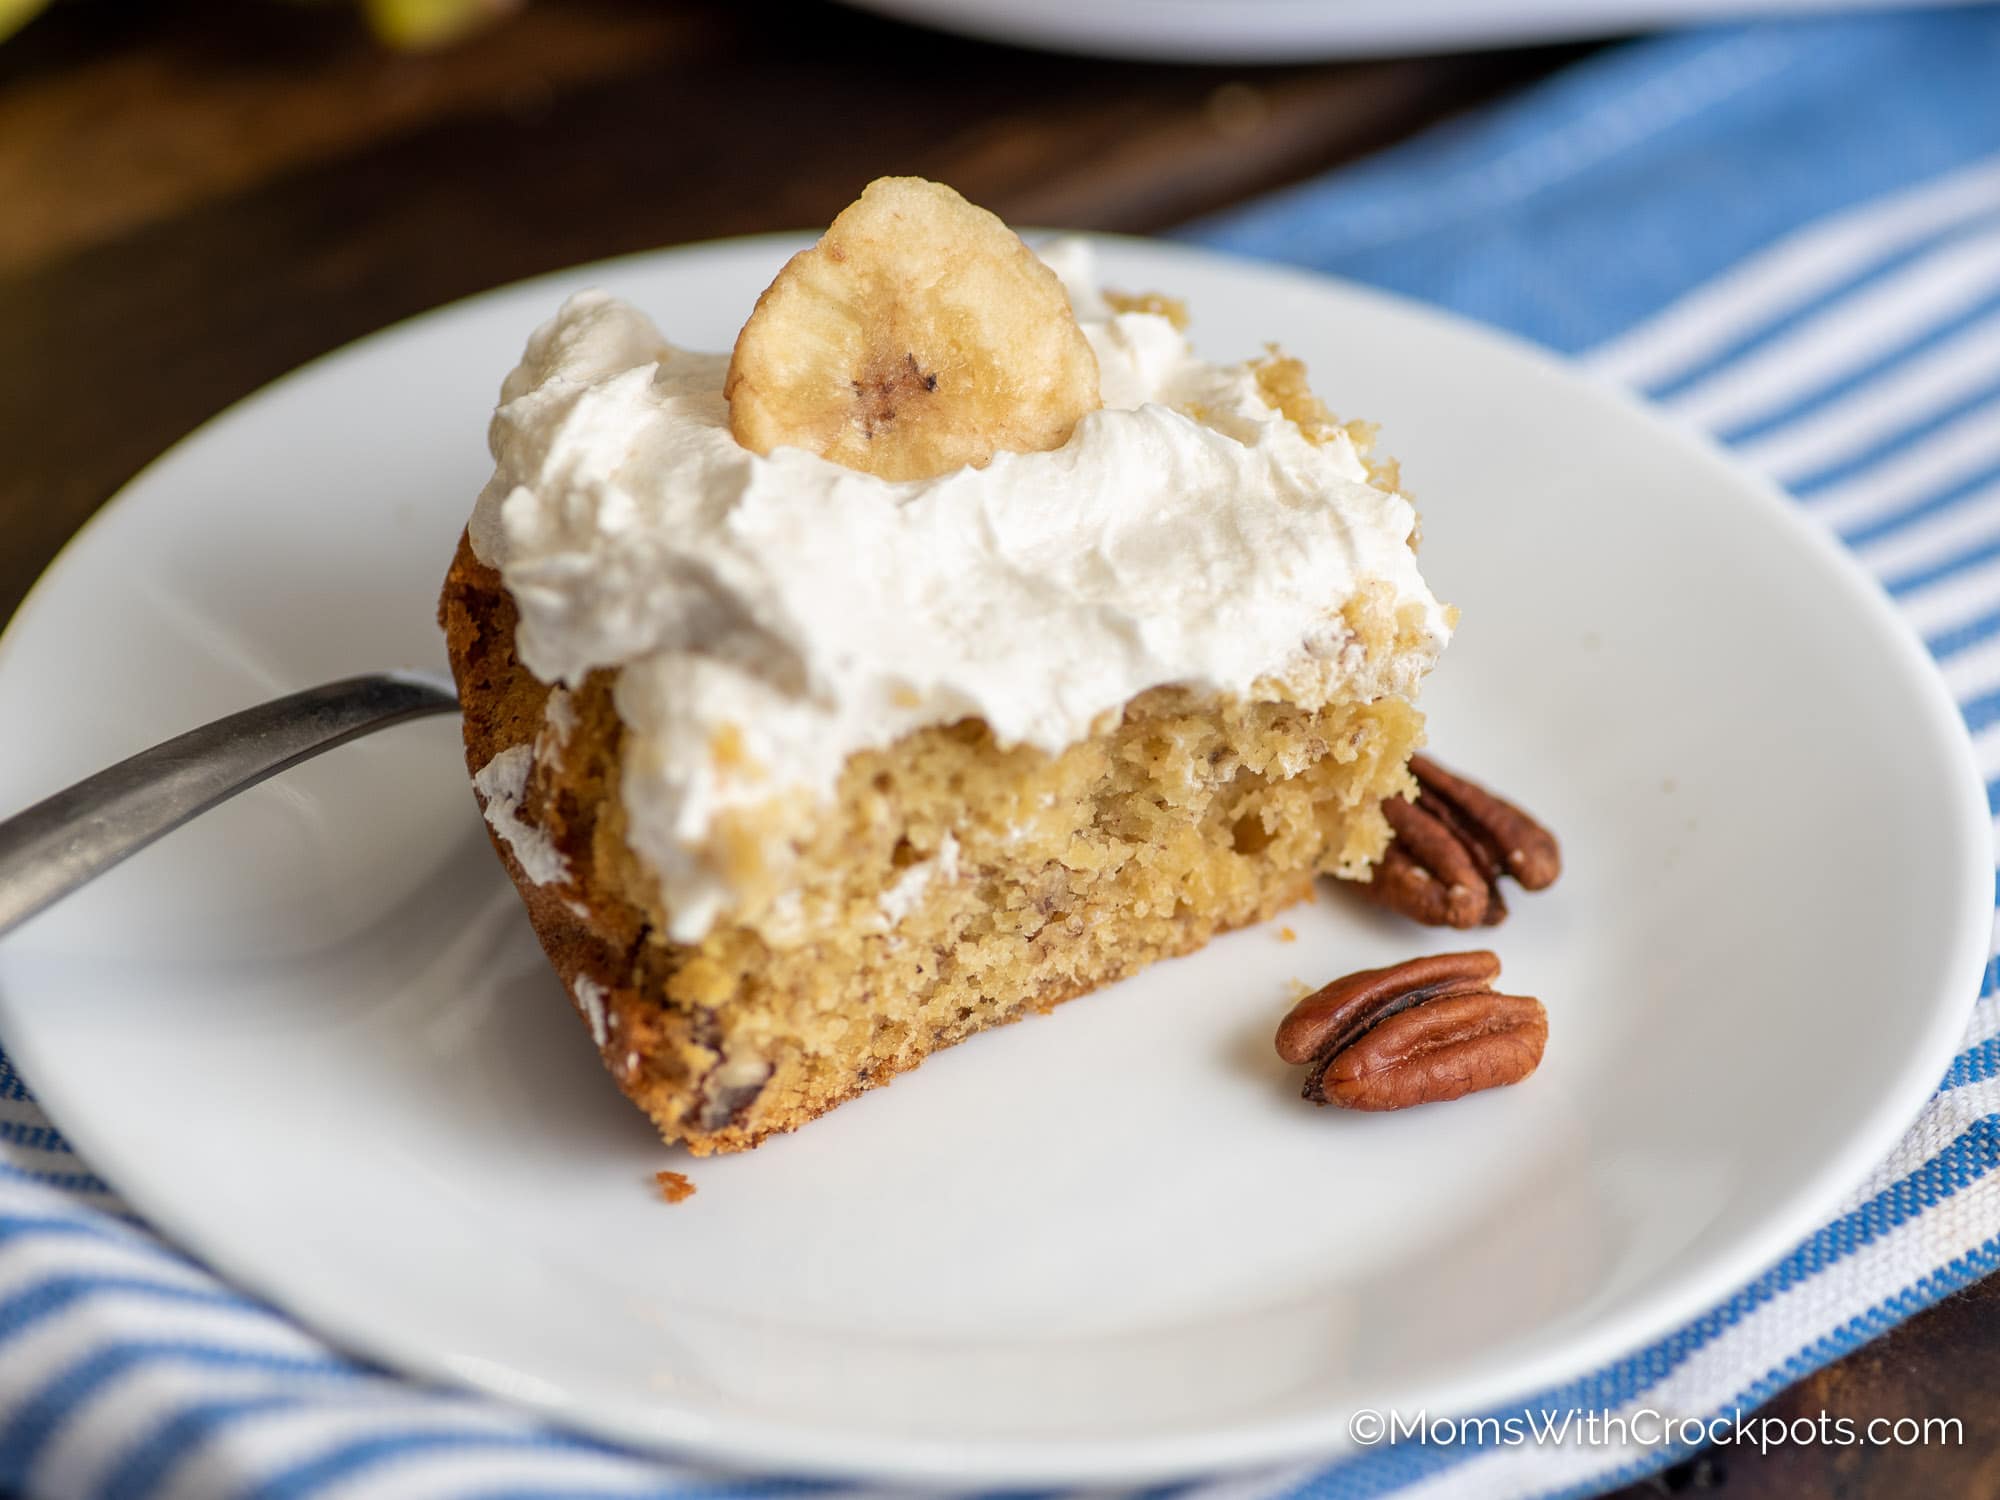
(1160, 306)
(674, 1186)
(1286, 935)
(729, 752)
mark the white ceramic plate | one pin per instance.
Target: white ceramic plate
(313, 1039)
(1214, 31)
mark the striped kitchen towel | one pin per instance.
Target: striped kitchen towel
(1790, 234)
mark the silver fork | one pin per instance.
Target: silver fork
(71, 838)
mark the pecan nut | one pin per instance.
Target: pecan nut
(1419, 1032)
(1432, 874)
(1451, 848)
(1522, 847)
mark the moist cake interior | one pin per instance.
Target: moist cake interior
(950, 886)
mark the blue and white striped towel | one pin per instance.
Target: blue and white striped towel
(1789, 233)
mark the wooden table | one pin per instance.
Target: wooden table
(194, 198)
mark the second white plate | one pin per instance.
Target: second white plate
(1280, 31)
(312, 1037)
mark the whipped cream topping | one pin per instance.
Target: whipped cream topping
(558, 719)
(594, 998)
(501, 784)
(795, 611)
(907, 890)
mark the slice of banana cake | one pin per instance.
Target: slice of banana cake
(960, 643)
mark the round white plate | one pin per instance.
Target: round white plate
(1280, 31)
(312, 1037)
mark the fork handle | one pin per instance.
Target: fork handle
(73, 837)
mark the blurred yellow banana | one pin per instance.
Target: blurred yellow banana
(414, 25)
(14, 14)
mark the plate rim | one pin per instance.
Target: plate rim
(796, 1448)
(1290, 31)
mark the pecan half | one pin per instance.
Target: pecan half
(1418, 1032)
(1452, 846)
(1431, 873)
(1524, 848)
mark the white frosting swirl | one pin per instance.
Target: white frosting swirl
(1185, 534)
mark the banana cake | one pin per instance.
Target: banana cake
(958, 643)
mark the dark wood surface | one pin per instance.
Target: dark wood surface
(195, 197)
